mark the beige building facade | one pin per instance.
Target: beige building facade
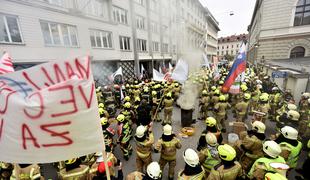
(230, 45)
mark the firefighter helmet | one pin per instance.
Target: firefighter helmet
(289, 132)
(167, 130)
(191, 157)
(211, 139)
(210, 121)
(259, 126)
(272, 148)
(226, 152)
(294, 115)
(120, 118)
(140, 131)
(153, 170)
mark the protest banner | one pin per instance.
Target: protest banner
(49, 113)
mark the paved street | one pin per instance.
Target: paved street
(129, 166)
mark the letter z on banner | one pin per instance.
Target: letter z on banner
(49, 113)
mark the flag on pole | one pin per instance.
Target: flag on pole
(180, 71)
(6, 65)
(157, 76)
(205, 60)
(237, 68)
(118, 72)
(142, 72)
(160, 70)
(170, 68)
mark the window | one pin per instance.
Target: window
(222, 47)
(297, 52)
(222, 52)
(57, 34)
(140, 22)
(141, 2)
(232, 52)
(55, 2)
(174, 49)
(237, 45)
(227, 46)
(232, 46)
(120, 15)
(165, 47)
(100, 39)
(124, 43)
(226, 52)
(154, 27)
(153, 5)
(141, 45)
(9, 29)
(155, 46)
(302, 15)
(91, 7)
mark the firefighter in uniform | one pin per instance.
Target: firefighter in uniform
(211, 127)
(74, 170)
(193, 170)
(108, 133)
(155, 103)
(168, 145)
(102, 111)
(176, 90)
(255, 97)
(144, 144)
(304, 105)
(153, 172)
(26, 172)
(250, 146)
(124, 136)
(275, 98)
(128, 113)
(228, 169)
(291, 118)
(272, 152)
(290, 146)
(214, 99)
(263, 108)
(242, 108)
(168, 108)
(208, 156)
(221, 111)
(204, 103)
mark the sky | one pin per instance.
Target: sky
(230, 25)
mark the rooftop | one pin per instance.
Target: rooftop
(233, 38)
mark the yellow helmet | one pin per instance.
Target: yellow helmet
(127, 105)
(226, 152)
(127, 99)
(221, 82)
(154, 93)
(146, 89)
(104, 121)
(204, 92)
(222, 98)
(70, 161)
(101, 105)
(137, 99)
(101, 111)
(210, 121)
(264, 97)
(274, 176)
(120, 118)
(247, 96)
(213, 88)
(217, 92)
(243, 87)
(168, 94)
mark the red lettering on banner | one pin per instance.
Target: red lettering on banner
(7, 96)
(30, 81)
(25, 129)
(1, 128)
(87, 102)
(72, 100)
(61, 135)
(84, 71)
(47, 76)
(59, 74)
(41, 107)
(70, 71)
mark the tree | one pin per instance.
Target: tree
(229, 57)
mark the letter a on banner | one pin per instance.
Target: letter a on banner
(49, 113)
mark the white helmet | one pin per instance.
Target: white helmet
(259, 126)
(294, 115)
(259, 81)
(275, 89)
(259, 86)
(291, 106)
(289, 132)
(306, 94)
(191, 157)
(167, 130)
(153, 170)
(140, 131)
(272, 148)
(309, 100)
(211, 139)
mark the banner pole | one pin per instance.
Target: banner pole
(104, 154)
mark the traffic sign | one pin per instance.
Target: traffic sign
(279, 74)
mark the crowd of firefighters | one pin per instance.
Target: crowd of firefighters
(128, 112)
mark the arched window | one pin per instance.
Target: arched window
(297, 52)
(302, 15)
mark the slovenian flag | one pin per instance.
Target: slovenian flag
(237, 68)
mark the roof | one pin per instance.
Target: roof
(212, 18)
(233, 38)
(299, 64)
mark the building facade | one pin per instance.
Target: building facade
(113, 32)
(279, 29)
(230, 45)
(211, 38)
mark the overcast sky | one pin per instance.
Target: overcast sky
(235, 24)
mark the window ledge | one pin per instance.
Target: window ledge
(125, 50)
(61, 46)
(103, 48)
(9, 43)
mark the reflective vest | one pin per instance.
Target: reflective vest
(231, 173)
(210, 161)
(266, 163)
(294, 155)
(199, 176)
